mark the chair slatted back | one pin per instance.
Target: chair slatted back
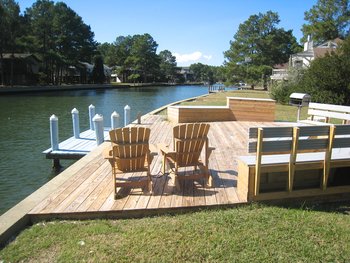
(130, 147)
(189, 140)
(293, 140)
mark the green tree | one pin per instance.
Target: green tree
(109, 53)
(59, 36)
(10, 23)
(167, 65)
(123, 46)
(328, 78)
(327, 20)
(203, 73)
(40, 17)
(98, 74)
(143, 58)
(73, 40)
(257, 43)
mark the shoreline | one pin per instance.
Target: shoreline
(48, 88)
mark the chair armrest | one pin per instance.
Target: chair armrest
(153, 149)
(107, 153)
(163, 148)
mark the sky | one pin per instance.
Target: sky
(195, 31)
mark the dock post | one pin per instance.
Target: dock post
(115, 120)
(91, 116)
(54, 140)
(75, 118)
(139, 117)
(54, 132)
(126, 115)
(98, 125)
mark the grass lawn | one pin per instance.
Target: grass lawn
(283, 112)
(252, 233)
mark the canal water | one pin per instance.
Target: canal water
(24, 128)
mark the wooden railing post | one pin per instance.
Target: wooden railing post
(75, 119)
(54, 132)
(292, 159)
(115, 120)
(258, 160)
(126, 115)
(139, 117)
(328, 157)
(98, 125)
(91, 116)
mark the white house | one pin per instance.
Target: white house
(304, 58)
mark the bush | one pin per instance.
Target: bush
(327, 80)
(279, 92)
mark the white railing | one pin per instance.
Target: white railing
(279, 74)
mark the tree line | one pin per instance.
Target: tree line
(59, 37)
(135, 59)
(52, 31)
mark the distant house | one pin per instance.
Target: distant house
(304, 58)
(185, 73)
(82, 73)
(19, 69)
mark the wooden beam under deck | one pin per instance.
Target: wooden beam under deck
(88, 191)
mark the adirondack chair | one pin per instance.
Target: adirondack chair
(189, 141)
(130, 154)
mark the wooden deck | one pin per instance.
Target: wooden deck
(88, 191)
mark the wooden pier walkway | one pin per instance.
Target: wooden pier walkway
(76, 148)
(88, 190)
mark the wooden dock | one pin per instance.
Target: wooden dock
(216, 88)
(76, 148)
(87, 190)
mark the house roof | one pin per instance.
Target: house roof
(20, 56)
(281, 66)
(321, 52)
(327, 47)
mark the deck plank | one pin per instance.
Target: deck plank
(89, 188)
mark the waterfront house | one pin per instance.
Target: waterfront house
(19, 69)
(82, 73)
(304, 58)
(185, 74)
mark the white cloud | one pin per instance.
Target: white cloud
(192, 57)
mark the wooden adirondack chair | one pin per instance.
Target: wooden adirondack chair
(189, 141)
(130, 154)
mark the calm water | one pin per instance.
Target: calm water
(24, 129)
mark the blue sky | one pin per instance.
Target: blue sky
(193, 30)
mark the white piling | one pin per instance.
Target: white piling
(91, 116)
(139, 117)
(75, 118)
(115, 120)
(54, 132)
(98, 125)
(126, 115)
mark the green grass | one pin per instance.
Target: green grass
(253, 233)
(283, 112)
